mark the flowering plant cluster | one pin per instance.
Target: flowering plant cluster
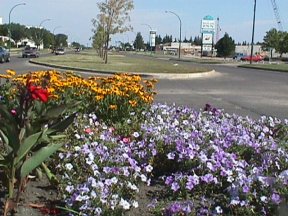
(99, 171)
(218, 163)
(113, 98)
(29, 134)
(209, 163)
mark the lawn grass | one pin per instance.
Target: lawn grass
(198, 60)
(119, 63)
(283, 67)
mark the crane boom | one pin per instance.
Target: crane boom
(277, 15)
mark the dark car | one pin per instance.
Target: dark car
(4, 55)
(30, 52)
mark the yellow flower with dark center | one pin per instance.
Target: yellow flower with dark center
(5, 76)
(133, 103)
(11, 72)
(113, 107)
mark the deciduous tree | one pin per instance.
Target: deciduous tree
(98, 39)
(115, 14)
(271, 40)
(61, 40)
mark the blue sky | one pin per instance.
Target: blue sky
(74, 17)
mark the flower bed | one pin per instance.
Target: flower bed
(203, 162)
(209, 163)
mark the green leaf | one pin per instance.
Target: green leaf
(27, 145)
(62, 125)
(39, 106)
(22, 133)
(59, 136)
(9, 127)
(39, 157)
(4, 137)
(55, 112)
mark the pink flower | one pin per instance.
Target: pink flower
(88, 130)
(126, 139)
(13, 112)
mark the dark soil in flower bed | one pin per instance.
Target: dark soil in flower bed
(39, 198)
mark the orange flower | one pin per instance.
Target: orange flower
(113, 107)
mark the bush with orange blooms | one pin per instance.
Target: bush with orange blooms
(111, 98)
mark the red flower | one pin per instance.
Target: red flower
(38, 93)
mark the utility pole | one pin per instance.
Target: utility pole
(253, 29)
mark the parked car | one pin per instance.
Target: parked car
(59, 51)
(4, 55)
(254, 58)
(238, 56)
(30, 52)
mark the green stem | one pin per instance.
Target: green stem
(52, 178)
(11, 181)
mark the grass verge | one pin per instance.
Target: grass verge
(274, 67)
(119, 63)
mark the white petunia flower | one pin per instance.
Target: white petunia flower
(69, 166)
(219, 210)
(149, 168)
(125, 205)
(135, 204)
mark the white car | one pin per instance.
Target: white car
(59, 51)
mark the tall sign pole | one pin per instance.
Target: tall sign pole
(208, 26)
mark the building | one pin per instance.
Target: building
(246, 49)
(1, 20)
(186, 49)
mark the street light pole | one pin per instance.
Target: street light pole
(41, 32)
(253, 29)
(9, 30)
(54, 35)
(149, 36)
(179, 54)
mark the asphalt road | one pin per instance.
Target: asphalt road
(236, 90)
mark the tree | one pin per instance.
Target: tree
(158, 39)
(35, 35)
(3, 30)
(275, 40)
(139, 42)
(185, 40)
(48, 39)
(98, 39)
(114, 14)
(271, 40)
(18, 32)
(167, 39)
(75, 44)
(197, 41)
(284, 43)
(225, 46)
(61, 40)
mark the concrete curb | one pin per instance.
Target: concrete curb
(158, 75)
